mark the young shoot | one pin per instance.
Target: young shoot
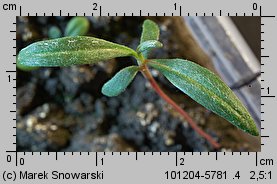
(199, 83)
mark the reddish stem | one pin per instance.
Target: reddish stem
(193, 125)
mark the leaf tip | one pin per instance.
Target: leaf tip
(120, 81)
(248, 125)
(150, 31)
(254, 131)
(107, 91)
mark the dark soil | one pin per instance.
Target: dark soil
(62, 109)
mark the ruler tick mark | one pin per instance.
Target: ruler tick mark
(100, 10)
(96, 158)
(256, 158)
(176, 158)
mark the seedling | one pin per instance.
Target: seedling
(77, 26)
(200, 84)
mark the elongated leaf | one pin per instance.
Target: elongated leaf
(71, 51)
(207, 89)
(120, 81)
(77, 26)
(147, 46)
(150, 31)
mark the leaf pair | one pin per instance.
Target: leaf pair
(77, 26)
(148, 41)
(199, 83)
(149, 38)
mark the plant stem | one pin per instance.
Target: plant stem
(184, 114)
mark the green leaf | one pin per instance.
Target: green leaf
(120, 81)
(150, 31)
(207, 89)
(24, 67)
(71, 51)
(147, 46)
(54, 32)
(77, 26)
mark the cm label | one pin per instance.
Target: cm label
(9, 7)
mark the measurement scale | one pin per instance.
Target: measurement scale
(138, 167)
